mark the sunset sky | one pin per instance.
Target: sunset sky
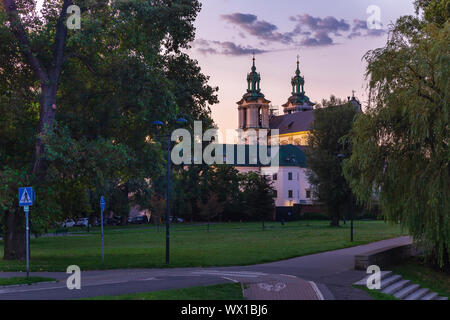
(330, 36)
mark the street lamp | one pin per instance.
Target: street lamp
(159, 124)
(341, 157)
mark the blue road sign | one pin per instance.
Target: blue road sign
(102, 203)
(26, 196)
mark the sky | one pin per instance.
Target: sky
(329, 36)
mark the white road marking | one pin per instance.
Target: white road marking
(288, 275)
(241, 274)
(229, 279)
(269, 287)
(316, 290)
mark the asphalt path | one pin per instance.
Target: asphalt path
(330, 272)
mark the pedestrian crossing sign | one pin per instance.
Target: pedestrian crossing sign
(26, 196)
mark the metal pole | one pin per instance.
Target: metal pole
(351, 217)
(26, 209)
(168, 203)
(103, 252)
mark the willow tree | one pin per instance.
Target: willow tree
(401, 143)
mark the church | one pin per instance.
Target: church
(291, 130)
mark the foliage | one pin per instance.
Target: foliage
(258, 194)
(103, 85)
(227, 291)
(325, 143)
(333, 101)
(211, 208)
(401, 151)
(158, 208)
(315, 216)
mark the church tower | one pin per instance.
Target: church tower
(253, 107)
(298, 102)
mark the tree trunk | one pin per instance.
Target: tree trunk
(335, 218)
(14, 240)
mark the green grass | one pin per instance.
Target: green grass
(23, 280)
(229, 291)
(226, 244)
(417, 272)
(377, 295)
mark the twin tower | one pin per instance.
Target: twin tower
(254, 109)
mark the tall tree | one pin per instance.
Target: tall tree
(97, 88)
(259, 203)
(325, 143)
(401, 144)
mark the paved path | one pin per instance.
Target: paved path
(325, 275)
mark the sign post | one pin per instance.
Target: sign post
(26, 198)
(102, 208)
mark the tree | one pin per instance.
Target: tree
(211, 208)
(334, 101)
(324, 167)
(225, 181)
(258, 196)
(97, 88)
(401, 151)
(158, 209)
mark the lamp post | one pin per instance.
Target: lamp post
(159, 124)
(341, 157)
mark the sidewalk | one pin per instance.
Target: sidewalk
(281, 287)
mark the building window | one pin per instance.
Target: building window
(275, 176)
(290, 192)
(308, 194)
(275, 193)
(290, 176)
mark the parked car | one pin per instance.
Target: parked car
(69, 223)
(114, 221)
(176, 220)
(141, 219)
(82, 222)
(138, 220)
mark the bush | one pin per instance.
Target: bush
(315, 216)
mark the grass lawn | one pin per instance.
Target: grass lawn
(417, 272)
(229, 291)
(377, 295)
(226, 244)
(23, 280)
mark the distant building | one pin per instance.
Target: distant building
(289, 178)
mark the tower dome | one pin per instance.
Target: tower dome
(298, 101)
(253, 107)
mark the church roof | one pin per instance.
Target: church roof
(293, 122)
(288, 156)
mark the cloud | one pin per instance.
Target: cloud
(261, 29)
(308, 31)
(318, 31)
(360, 29)
(325, 25)
(225, 48)
(320, 38)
